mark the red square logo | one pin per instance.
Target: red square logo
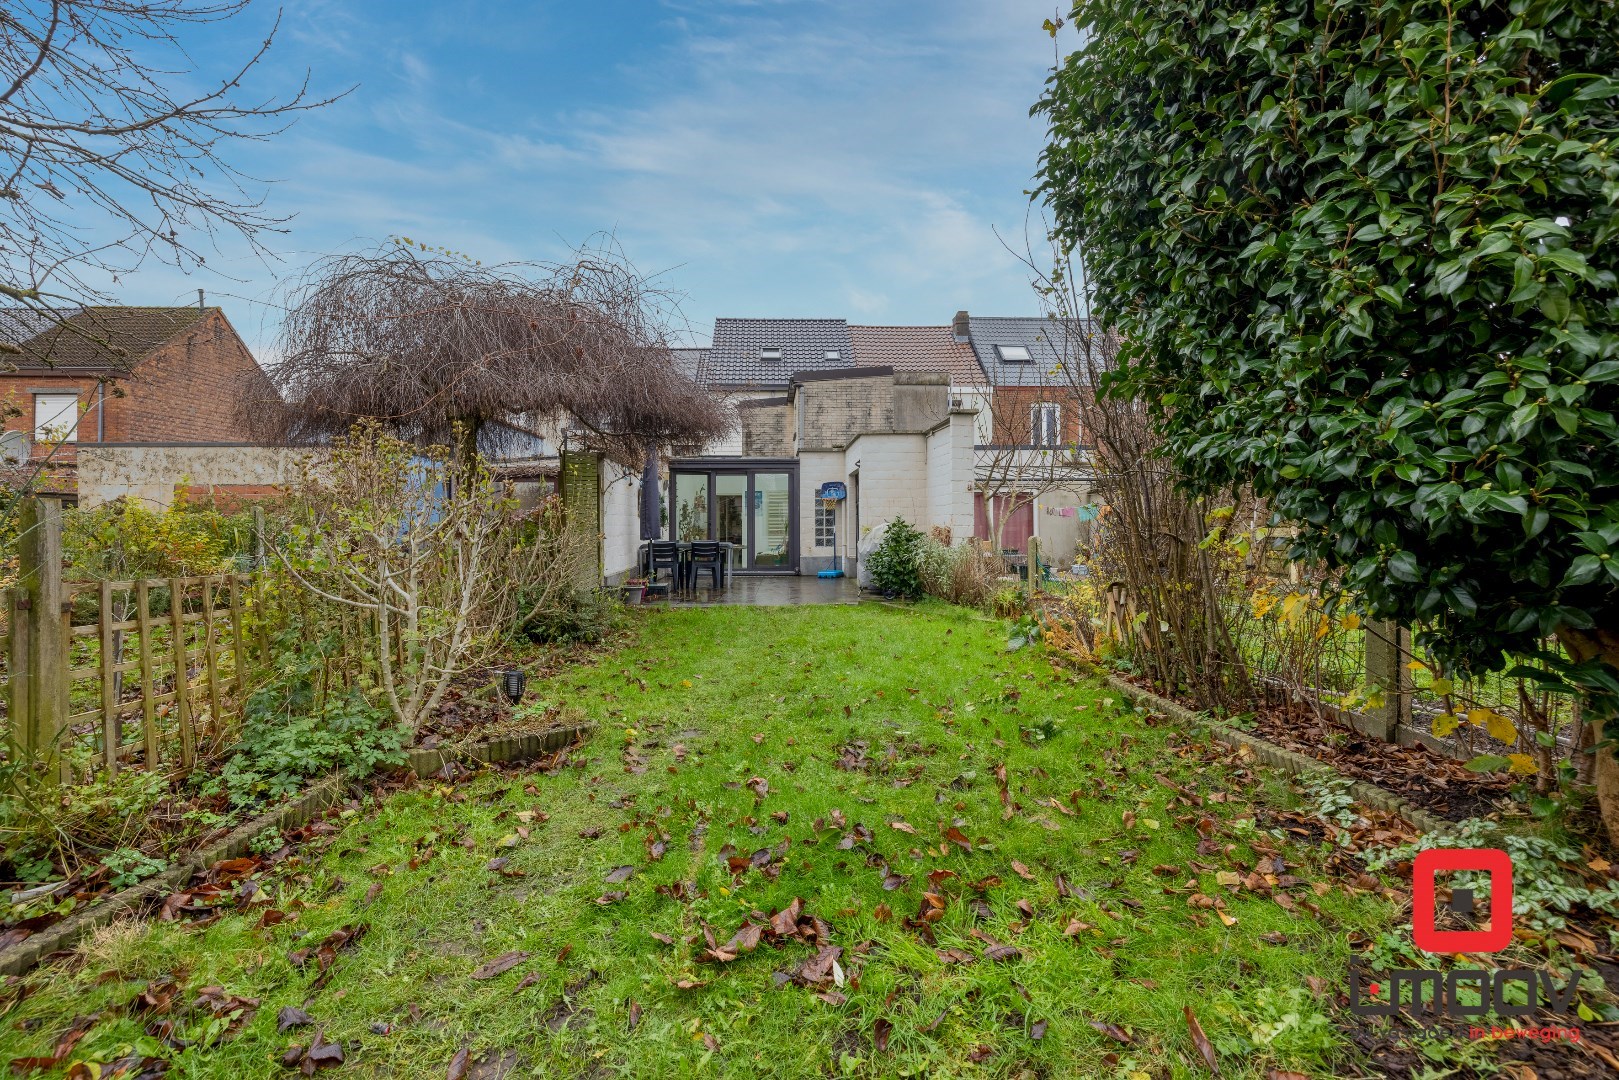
(1429, 864)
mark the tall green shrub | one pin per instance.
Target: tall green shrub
(1363, 258)
(896, 562)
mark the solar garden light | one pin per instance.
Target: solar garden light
(512, 681)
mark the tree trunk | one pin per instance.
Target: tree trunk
(1601, 644)
(466, 441)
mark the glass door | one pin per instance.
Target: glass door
(731, 516)
(753, 510)
(691, 507)
(772, 521)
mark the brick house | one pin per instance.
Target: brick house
(152, 376)
(1031, 470)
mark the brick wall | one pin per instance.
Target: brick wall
(893, 478)
(950, 475)
(156, 475)
(186, 390)
(1011, 412)
(183, 391)
(765, 430)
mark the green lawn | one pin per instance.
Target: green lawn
(785, 737)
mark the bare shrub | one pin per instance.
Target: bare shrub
(412, 544)
(962, 574)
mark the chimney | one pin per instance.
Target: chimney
(959, 327)
(202, 304)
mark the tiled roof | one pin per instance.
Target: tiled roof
(91, 338)
(734, 358)
(1043, 337)
(692, 363)
(917, 348)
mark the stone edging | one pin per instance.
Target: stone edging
(1289, 761)
(315, 799)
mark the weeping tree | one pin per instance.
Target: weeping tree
(1362, 258)
(441, 350)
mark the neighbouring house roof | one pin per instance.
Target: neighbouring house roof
(1043, 338)
(692, 363)
(917, 348)
(737, 356)
(99, 339)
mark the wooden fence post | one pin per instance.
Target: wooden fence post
(39, 566)
(258, 537)
(1388, 650)
(1031, 585)
(19, 700)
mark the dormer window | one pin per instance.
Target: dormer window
(770, 352)
(831, 354)
(1014, 354)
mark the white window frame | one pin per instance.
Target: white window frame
(51, 419)
(1045, 424)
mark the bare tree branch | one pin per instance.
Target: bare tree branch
(112, 153)
(426, 342)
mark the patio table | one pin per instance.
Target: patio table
(684, 548)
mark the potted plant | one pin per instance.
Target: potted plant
(634, 589)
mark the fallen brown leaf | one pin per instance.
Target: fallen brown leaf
(502, 963)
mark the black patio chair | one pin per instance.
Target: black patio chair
(663, 554)
(706, 555)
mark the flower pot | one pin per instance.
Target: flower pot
(634, 593)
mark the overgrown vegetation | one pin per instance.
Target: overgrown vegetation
(963, 573)
(391, 575)
(298, 727)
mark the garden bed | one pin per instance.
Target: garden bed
(1433, 782)
(164, 828)
(197, 886)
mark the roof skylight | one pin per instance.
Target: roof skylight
(831, 354)
(771, 352)
(1014, 354)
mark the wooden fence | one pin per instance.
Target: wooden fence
(109, 674)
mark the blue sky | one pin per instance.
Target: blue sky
(805, 158)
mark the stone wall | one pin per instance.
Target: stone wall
(832, 412)
(230, 472)
(766, 427)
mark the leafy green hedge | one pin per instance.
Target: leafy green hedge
(1363, 257)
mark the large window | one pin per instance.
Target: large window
(56, 417)
(751, 507)
(1045, 424)
(691, 507)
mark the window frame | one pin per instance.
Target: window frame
(1045, 424)
(1002, 352)
(72, 435)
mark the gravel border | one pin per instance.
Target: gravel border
(300, 811)
(1289, 761)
